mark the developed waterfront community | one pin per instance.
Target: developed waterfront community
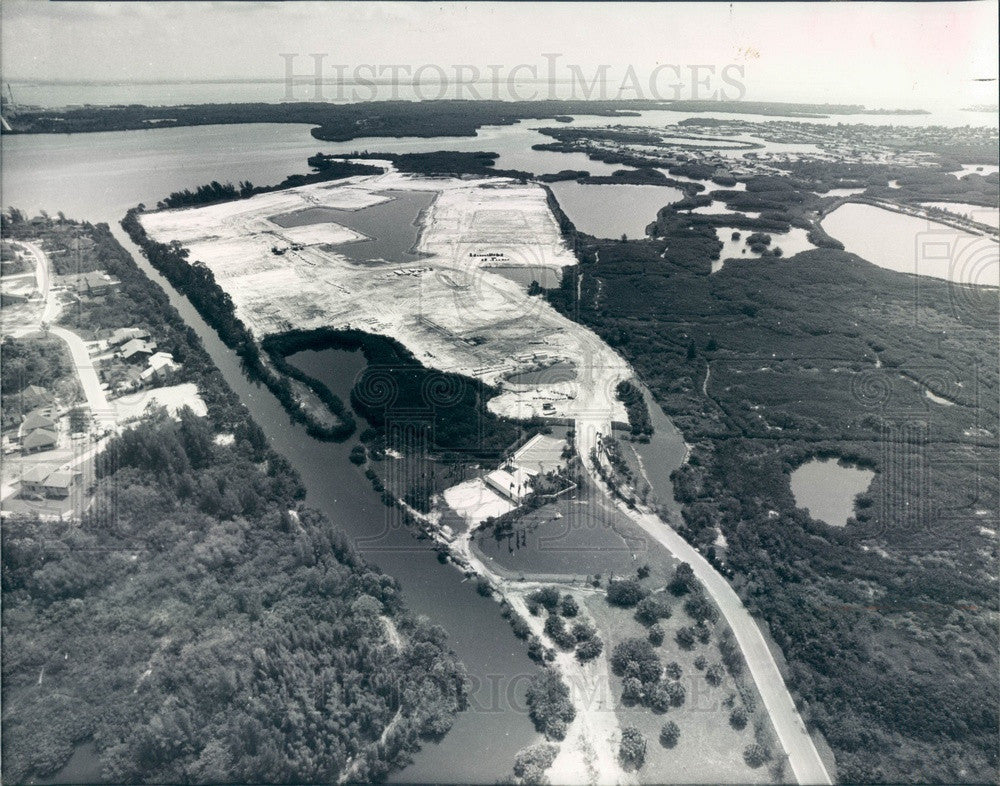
(571, 442)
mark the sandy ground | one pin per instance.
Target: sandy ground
(173, 397)
(450, 311)
(474, 501)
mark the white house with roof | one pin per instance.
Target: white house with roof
(161, 365)
(513, 483)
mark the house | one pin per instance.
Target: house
(37, 392)
(39, 439)
(33, 481)
(43, 481)
(514, 484)
(60, 484)
(95, 283)
(37, 418)
(121, 335)
(161, 365)
(135, 350)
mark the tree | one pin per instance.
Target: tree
(673, 670)
(700, 663)
(692, 350)
(534, 288)
(659, 699)
(549, 705)
(756, 755)
(636, 658)
(643, 571)
(652, 608)
(656, 635)
(531, 763)
(625, 593)
(632, 750)
(683, 580)
(715, 675)
(632, 691)
(738, 718)
(583, 630)
(685, 637)
(700, 608)
(677, 693)
(546, 596)
(569, 606)
(589, 649)
(670, 734)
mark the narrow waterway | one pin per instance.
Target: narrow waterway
(484, 739)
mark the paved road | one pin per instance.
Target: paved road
(101, 411)
(803, 758)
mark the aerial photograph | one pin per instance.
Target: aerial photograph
(572, 393)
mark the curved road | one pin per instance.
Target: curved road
(803, 758)
(101, 411)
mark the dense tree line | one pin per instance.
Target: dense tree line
(823, 394)
(198, 624)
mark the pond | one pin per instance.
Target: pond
(827, 488)
(908, 244)
(561, 371)
(547, 277)
(613, 210)
(391, 227)
(792, 242)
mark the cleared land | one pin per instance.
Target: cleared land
(450, 310)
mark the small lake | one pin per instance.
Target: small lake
(547, 277)
(390, 227)
(792, 242)
(665, 451)
(826, 488)
(562, 371)
(908, 244)
(613, 210)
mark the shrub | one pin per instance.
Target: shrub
(700, 663)
(756, 755)
(715, 675)
(738, 718)
(656, 635)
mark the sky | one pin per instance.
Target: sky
(879, 54)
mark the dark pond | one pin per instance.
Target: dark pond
(390, 227)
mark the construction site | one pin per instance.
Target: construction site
(298, 259)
